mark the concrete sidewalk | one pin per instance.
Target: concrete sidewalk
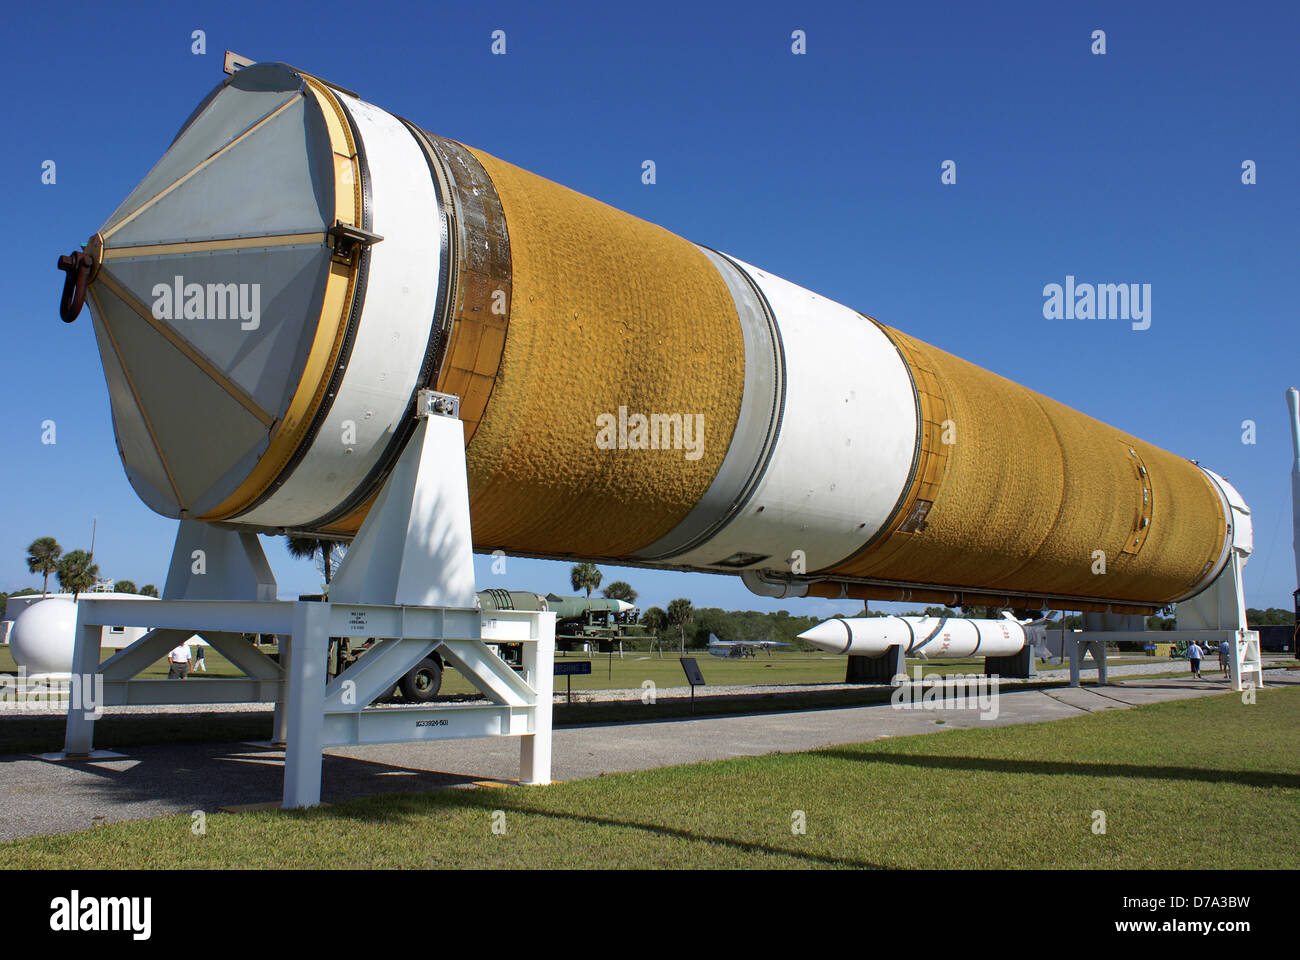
(40, 797)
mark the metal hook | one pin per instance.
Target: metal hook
(79, 266)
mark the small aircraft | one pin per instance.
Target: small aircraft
(728, 649)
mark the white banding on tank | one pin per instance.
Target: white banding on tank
(826, 490)
(393, 332)
(1240, 533)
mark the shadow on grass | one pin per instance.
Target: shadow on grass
(1248, 778)
(404, 807)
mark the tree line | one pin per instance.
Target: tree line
(75, 571)
(686, 627)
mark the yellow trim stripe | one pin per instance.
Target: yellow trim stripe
(331, 328)
(203, 246)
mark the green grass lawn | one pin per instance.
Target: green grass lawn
(1203, 783)
(635, 668)
(781, 667)
(218, 666)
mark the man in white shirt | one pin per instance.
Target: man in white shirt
(1194, 654)
(178, 662)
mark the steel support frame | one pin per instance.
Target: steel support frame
(408, 581)
(1078, 647)
(316, 715)
(172, 622)
(1215, 614)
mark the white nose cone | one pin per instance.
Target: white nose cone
(623, 606)
(43, 636)
(833, 636)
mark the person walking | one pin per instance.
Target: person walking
(178, 662)
(1194, 654)
(199, 662)
(1224, 652)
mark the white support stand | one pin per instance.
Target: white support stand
(1219, 613)
(407, 581)
(209, 563)
(304, 699)
(78, 738)
(414, 547)
(221, 623)
(1216, 614)
(1078, 647)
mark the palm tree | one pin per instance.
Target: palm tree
(43, 558)
(655, 620)
(77, 572)
(148, 590)
(620, 590)
(679, 614)
(305, 548)
(585, 576)
(124, 586)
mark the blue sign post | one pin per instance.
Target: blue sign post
(569, 669)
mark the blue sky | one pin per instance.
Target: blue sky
(823, 168)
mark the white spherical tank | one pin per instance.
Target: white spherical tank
(43, 636)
